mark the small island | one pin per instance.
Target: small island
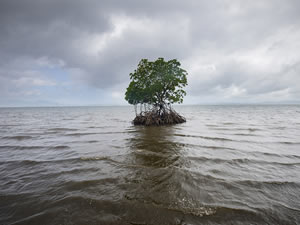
(154, 87)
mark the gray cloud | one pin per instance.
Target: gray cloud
(233, 50)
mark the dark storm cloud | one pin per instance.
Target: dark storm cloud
(230, 48)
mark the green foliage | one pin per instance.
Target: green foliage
(158, 83)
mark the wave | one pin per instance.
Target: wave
(94, 158)
(213, 147)
(234, 129)
(99, 127)
(238, 141)
(192, 207)
(81, 134)
(59, 147)
(18, 137)
(229, 123)
(266, 182)
(278, 128)
(75, 159)
(275, 155)
(9, 125)
(17, 147)
(241, 161)
(29, 219)
(244, 182)
(37, 162)
(75, 185)
(243, 134)
(94, 133)
(288, 142)
(92, 141)
(62, 129)
(204, 137)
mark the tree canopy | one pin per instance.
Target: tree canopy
(158, 83)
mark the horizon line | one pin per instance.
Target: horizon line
(123, 105)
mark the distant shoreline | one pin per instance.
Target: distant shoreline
(176, 105)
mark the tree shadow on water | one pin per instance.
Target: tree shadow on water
(154, 183)
(155, 147)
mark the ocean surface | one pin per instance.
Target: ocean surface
(90, 165)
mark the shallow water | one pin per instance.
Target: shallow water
(89, 165)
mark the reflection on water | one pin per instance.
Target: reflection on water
(89, 165)
(155, 146)
(156, 183)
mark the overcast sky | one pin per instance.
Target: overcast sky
(71, 52)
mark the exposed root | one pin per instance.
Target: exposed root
(158, 118)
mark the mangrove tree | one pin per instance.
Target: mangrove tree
(154, 87)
